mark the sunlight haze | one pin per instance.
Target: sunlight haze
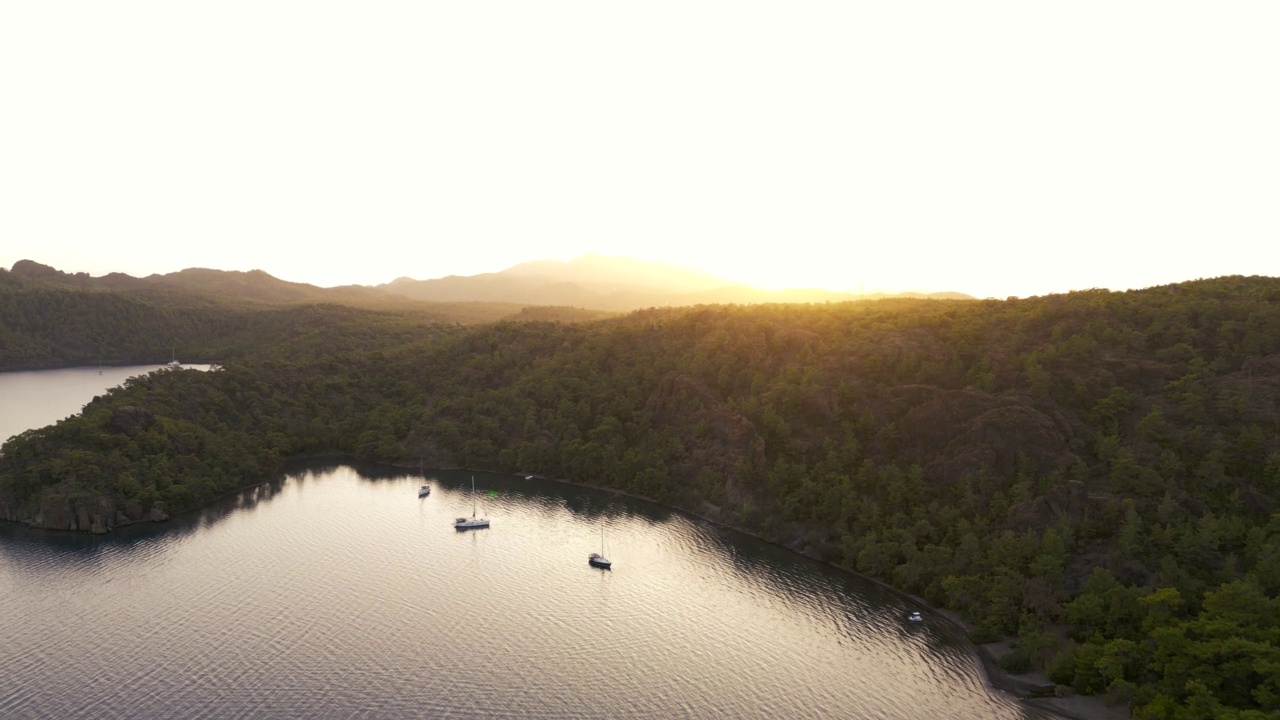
(990, 148)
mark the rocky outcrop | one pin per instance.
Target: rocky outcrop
(85, 513)
(9, 509)
(95, 514)
(77, 510)
(132, 510)
(55, 513)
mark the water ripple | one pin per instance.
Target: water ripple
(335, 595)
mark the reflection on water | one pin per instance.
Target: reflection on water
(338, 593)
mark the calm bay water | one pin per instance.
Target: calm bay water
(338, 593)
(37, 398)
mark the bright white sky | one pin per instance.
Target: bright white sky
(994, 148)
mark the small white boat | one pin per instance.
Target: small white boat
(598, 559)
(915, 617)
(473, 521)
(424, 489)
(173, 363)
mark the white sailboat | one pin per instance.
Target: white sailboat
(473, 521)
(598, 559)
(173, 363)
(425, 489)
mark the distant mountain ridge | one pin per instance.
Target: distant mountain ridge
(592, 282)
(616, 284)
(602, 271)
(254, 285)
(258, 290)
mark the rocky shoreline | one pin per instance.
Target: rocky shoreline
(93, 514)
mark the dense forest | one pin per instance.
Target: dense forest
(1095, 475)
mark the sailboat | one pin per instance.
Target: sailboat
(425, 489)
(473, 521)
(598, 559)
(173, 362)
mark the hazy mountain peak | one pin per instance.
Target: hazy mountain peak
(31, 268)
(615, 272)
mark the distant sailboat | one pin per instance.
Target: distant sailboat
(598, 559)
(173, 363)
(425, 489)
(473, 521)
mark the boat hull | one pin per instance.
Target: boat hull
(597, 561)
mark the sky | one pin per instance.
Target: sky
(993, 148)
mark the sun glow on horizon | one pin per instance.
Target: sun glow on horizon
(993, 149)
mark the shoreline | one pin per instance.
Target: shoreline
(90, 365)
(1072, 707)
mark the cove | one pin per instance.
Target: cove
(336, 592)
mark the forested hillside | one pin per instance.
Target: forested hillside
(43, 327)
(1095, 474)
(50, 318)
